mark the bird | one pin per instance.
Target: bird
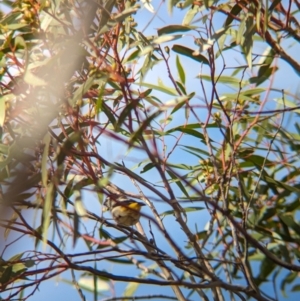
(125, 211)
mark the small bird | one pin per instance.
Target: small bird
(124, 211)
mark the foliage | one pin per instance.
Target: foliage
(189, 118)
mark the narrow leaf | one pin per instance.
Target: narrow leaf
(190, 15)
(124, 14)
(190, 53)
(172, 29)
(180, 70)
(47, 210)
(46, 141)
(82, 90)
(2, 110)
(170, 91)
(178, 183)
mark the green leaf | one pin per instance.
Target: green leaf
(129, 108)
(296, 288)
(133, 55)
(131, 289)
(253, 91)
(170, 5)
(76, 233)
(6, 275)
(2, 110)
(4, 149)
(143, 126)
(164, 89)
(266, 73)
(181, 87)
(180, 70)
(19, 268)
(164, 39)
(47, 210)
(234, 12)
(177, 103)
(148, 6)
(29, 263)
(147, 167)
(125, 13)
(16, 26)
(107, 111)
(88, 284)
(173, 28)
(191, 132)
(149, 63)
(197, 150)
(106, 27)
(105, 14)
(44, 166)
(289, 220)
(256, 160)
(79, 206)
(190, 15)
(181, 166)
(104, 234)
(193, 209)
(16, 257)
(178, 183)
(280, 184)
(188, 130)
(33, 80)
(236, 82)
(248, 41)
(68, 144)
(240, 33)
(20, 42)
(168, 212)
(81, 90)
(190, 53)
(120, 261)
(120, 239)
(266, 268)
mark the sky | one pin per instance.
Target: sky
(286, 79)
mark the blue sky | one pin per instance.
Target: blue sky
(116, 152)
